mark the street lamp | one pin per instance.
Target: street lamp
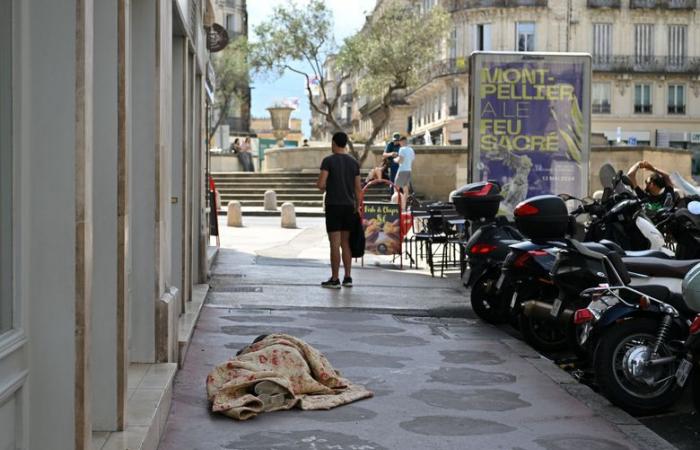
(279, 116)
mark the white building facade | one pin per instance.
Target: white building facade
(102, 206)
(646, 66)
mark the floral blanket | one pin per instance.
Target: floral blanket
(278, 372)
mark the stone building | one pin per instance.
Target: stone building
(233, 15)
(646, 65)
(103, 231)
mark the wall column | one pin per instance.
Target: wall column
(143, 283)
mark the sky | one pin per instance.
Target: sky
(267, 91)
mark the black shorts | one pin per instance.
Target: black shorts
(339, 218)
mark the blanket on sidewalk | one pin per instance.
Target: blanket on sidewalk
(278, 372)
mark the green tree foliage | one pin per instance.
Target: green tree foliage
(391, 53)
(387, 56)
(232, 78)
(300, 39)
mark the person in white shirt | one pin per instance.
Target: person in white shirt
(403, 176)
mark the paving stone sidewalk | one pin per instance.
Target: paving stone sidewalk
(439, 382)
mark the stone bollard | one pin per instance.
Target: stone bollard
(270, 201)
(234, 217)
(289, 216)
(597, 195)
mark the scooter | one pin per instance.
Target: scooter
(487, 247)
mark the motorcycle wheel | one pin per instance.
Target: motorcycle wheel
(543, 335)
(485, 302)
(617, 349)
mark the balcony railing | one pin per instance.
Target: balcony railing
(649, 64)
(604, 3)
(601, 108)
(663, 4)
(443, 68)
(458, 5)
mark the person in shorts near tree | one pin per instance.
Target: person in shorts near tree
(404, 159)
(340, 180)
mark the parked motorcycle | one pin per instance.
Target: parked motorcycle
(488, 245)
(636, 334)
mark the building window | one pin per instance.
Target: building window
(676, 99)
(602, 43)
(453, 44)
(643, 43)
(427, 5)
(6, 297)
(525, 32)
(600, 98)
(483, 37)
(231, 24)
(642, 98)
(454, 101)
(677, 45)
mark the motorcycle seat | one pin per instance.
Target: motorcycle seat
(647, 254)
(663, 294)
(671, 268)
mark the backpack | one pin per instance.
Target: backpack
(357, 238)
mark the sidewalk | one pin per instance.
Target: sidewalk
(442, 379)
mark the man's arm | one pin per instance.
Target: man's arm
(322, 179)
(358, 193)
(399, 157)
(632, 173)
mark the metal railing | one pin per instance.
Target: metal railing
(600, 108)
(639, 63)
(458, 5)
(444, 67)
(664, 4)
(604, 4)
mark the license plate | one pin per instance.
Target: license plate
(683, 372)
(555, 308)
(499, 283)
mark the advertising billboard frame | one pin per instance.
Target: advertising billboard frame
(478, 60)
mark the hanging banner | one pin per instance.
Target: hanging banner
(382, 228)
(530, 123)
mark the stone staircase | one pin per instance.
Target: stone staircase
(298, 188)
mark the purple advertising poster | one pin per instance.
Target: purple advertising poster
(531, 123)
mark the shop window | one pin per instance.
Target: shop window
(525, 32)
(600, 100)
(6, 171)
(676, 99)
(642, 99)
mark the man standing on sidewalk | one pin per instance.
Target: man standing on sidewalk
(340, 180)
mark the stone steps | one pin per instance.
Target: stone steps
(298, 188)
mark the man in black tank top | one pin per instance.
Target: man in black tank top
(340, 180)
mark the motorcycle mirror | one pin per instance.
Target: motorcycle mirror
(607, 192)
(606, 175)
(694, 207)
